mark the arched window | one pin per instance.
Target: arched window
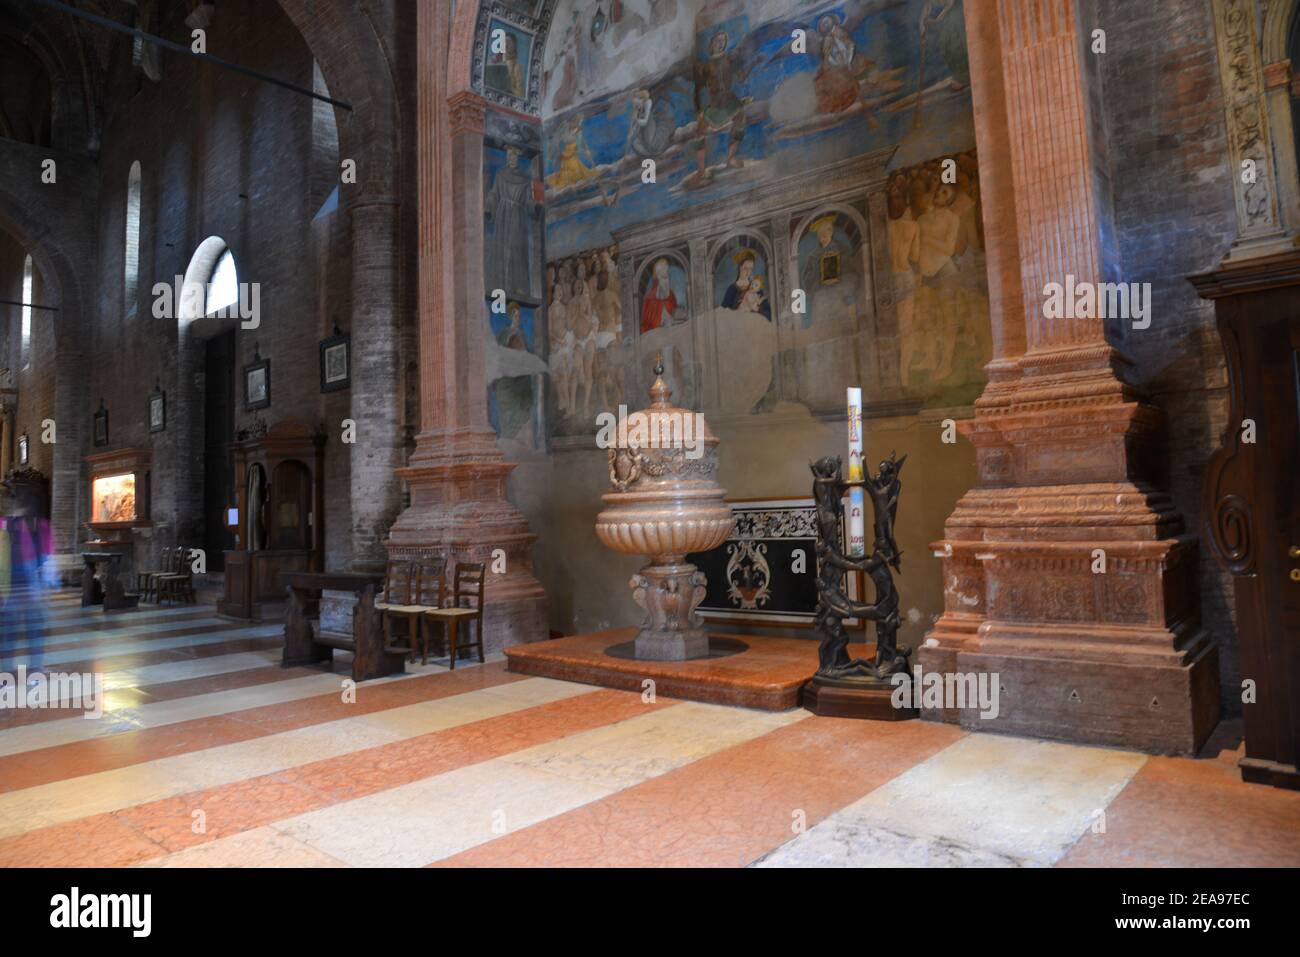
(27, 312)
(223, 287)
(132, 247)
(211, 283)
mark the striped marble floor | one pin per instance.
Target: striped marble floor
(210, 754)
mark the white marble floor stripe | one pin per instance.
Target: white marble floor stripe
(106, 639)
(425, 821)
(106, 791)
(987, 800)
(114, 649)
(120, 717)
(170, 671)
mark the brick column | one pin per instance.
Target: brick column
(457, 475)
(1066, 572)
(376, 390)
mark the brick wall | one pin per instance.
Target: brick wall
(221, 155)
(1173, 208)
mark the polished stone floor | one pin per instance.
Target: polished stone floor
(210, 754)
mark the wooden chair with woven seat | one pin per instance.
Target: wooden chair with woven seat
(428, 589)
(146, 582)
(398, 579)
(466, 606)
(179, 584)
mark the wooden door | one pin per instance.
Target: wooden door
(1259, 494)
(290, 518)
(218, 434)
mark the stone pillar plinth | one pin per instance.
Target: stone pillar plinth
(456, 475)
(1066, 572)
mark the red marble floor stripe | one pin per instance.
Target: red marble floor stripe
(44, 765)
(160, 827)
(727, 809)
(125, 698)
(105, 643)
(1179, 812)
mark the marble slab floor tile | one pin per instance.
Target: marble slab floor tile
(110, 652)
(153, 829)
(986, 798)
(427, 820)
(78, 797)
(67, 636)
(728, 808)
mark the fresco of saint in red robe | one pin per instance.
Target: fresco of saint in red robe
(660, 303)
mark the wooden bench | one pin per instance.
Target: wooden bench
(306, 644)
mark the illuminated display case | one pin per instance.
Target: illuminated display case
(119, 492)
(112, 499)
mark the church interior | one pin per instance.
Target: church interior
(644, 433)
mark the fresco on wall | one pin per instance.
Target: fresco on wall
(713, 92)
(509, 56)
(512, 210)
(751, 143)
(588, 345)
(936, 250)
(743, 323)
(515, 376)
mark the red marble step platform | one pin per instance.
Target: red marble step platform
(748, 671)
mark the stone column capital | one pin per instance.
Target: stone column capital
(468, 112)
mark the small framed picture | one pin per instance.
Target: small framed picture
(336, 362)
(22, 449)
(257, 383)
(157, 410)
(101, 425)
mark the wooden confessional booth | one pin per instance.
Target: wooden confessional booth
(1252, 500)
(279, 478)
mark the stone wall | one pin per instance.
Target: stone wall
(1173, 206)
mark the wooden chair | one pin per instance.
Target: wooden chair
(178, 585)
(396, 594)
(466, 606)
(403, 584)
(427, 590)
(146, 583)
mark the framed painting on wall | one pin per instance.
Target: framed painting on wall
(336, 362)
(766, 572)
(257, 383)
(101, 425)
(157, 410)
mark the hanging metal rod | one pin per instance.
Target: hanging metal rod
(31, 305)
(186, 51)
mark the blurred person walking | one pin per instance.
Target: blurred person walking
(26, 571)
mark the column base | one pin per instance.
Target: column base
(514, 621)
(1134, 702)
(1260, 771)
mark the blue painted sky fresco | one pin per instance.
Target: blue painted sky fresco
(793, 119)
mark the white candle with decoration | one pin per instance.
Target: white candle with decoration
(857, 524)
